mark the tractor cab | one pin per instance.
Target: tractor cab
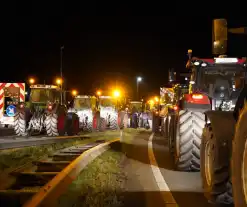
(85, 107)
(107, 101)
(43, 97)
(220, 79)
(136, 106)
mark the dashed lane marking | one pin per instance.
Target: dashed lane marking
(162, 185)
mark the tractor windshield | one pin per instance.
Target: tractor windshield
(232, 76)
(42, 95)
(82, 103)
(107, 102)
(136, 106)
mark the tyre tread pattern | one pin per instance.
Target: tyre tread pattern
(20, 124)
(190, 127)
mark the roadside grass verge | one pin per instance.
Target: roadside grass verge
(11, 159)
(99, 184)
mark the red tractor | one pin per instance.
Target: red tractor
(205, 136)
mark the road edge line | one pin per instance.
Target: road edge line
(160, 181)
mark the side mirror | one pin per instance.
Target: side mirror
(219, 34)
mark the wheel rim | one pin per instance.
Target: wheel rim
(244, 172)
(208, 164)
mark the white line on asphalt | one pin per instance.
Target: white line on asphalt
(163, 187)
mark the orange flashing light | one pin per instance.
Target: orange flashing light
(197, 96)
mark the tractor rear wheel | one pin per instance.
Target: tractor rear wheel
(20, 124)
(171, 133)
(215, 174)
(113, 120)
(189, 128)
(102, 124)
(239, 161)
(72, 124)
(55, 124)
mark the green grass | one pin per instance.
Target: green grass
(14, 158)
(100, 184)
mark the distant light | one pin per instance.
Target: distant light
(59, 81)
(116, 93)
(99, 93)
(204, 64)
(74, 92)
(139, 79)
(186, 78)
(26, 93)
(196, 63)
(31, 81)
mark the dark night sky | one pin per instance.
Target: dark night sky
(99, 50)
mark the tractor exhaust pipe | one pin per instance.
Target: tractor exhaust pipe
(219, 37)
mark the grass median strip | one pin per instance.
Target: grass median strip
(14, 158)
(99, 184)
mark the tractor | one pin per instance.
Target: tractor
(204, 133)
(88, 110)
(44, 113)
(108, 107)
(215, 84)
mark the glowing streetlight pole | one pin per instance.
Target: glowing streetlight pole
(61, 71)
(138, 80)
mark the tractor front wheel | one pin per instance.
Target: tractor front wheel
(20, 124)
(55, 124)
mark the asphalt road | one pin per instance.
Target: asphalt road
(185, 187)
(6, 132)
(172, 188)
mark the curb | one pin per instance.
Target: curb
(49, 194)
(37, 142)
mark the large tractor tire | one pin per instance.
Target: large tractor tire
(55, 124)
(239, 161)
(214, 173)
(165, 129)
(113, 122)
(171, 135)
(189, 127)
(121, 116)
(20, 124)
(126, 121)
(102, 124)
(155, 123)
(88, 126)
(134, 122)
(72, 124)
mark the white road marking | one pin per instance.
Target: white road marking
(163, 187)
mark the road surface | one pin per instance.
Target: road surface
(6, 131)
(161, 185)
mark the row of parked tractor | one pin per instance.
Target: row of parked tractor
(205, 123)
(44, 113)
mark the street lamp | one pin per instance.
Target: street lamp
(99, 93)
(59, 81)
(116, 93)
(138, 80)
(31, 81)
(74, 92)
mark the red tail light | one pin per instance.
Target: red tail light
(49, 107)
(197, 96)
(175, 108)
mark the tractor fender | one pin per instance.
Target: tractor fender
(223, 125)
